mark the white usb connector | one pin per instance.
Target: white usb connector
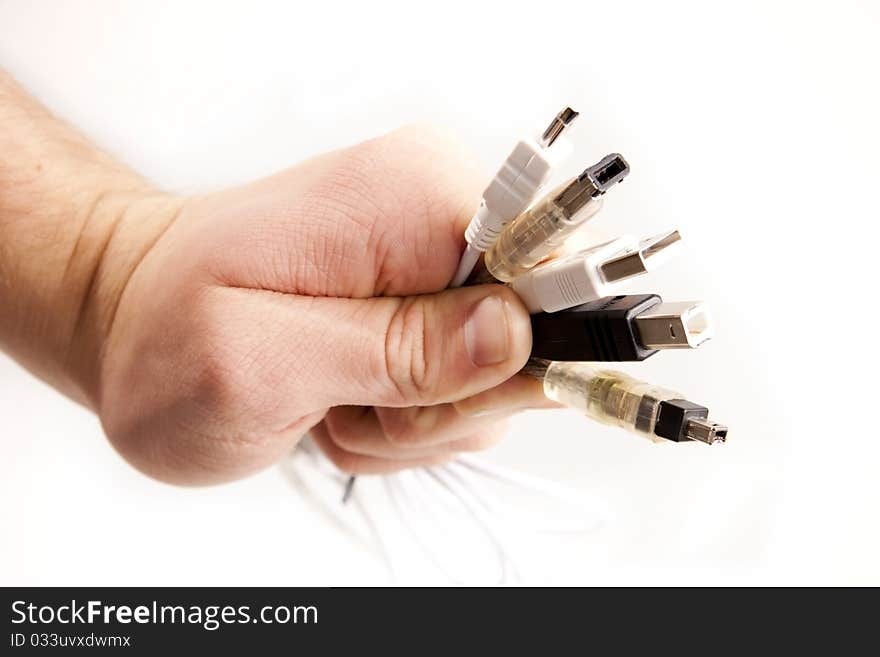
(518, 181)
(592, 273)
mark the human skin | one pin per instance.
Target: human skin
(211, 333)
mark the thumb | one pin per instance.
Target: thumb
(444, 347)
(405, 351)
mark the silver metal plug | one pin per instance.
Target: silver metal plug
(557, 126)
(607, 172)
(676, 325)
(650, 254)
(587, 189)
(706, 431)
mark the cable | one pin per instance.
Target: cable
(618, 399)
(512, 189)
(536, 233)
(622, 328)
(517, 182)
(592, 273)
(471, 504)
(300, 469)
(586, 507)
(574, 318)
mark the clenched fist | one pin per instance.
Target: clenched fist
(313, 300)
(212, 333)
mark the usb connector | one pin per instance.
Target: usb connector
(592, 273)
(705, 431)
(683, 324)
(557, 126)
(606, 173)
(536, 233)
(618, 399)
(512, 189)
(620, 328)
(650, 254)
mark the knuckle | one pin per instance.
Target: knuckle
(398, 198)
(396, 433)
(409, 427)
(342, 430)
(223, 363)
(217, 382)
(407, 365)
(347, 192)
(347, 462)
(487, 439)
(397, 425)
(477, 444)
(356, 202)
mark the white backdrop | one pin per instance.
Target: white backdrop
(751, 127)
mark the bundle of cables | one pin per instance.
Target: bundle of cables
(578, 323)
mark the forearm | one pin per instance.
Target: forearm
(65, 248)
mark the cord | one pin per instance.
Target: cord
(523, 174)
(574, 317)
(520, 178)
(585, 508)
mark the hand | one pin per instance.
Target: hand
(312, 300)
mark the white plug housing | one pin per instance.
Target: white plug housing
(517, 182)
(572, 280)
(593, 273)
(513, 187)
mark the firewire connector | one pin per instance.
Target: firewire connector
(592, 273)
(618, 399)
(513, 187)
(535, 234)
(620, 328)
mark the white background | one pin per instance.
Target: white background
(752, 127)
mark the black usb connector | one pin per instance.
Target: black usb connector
(620, 328)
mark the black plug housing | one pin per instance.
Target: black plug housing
(673, 418)
(600, 331)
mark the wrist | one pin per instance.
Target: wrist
(124, 228)
(74, 224)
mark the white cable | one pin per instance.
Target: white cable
(512, 189)
(469, 260)
(549, 489)
(299, 470)
(487, 510)
(403, 502)
(413, 494)
(464, 496)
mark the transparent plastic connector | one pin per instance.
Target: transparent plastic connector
(533, 236)
(607, 396)
(536, 233)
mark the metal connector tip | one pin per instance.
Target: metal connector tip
(559, 123)
(650, 254)
(677, 325)
(607, 172)
(592, 183)
(706, 431)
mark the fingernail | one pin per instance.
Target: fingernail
(486, 332)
